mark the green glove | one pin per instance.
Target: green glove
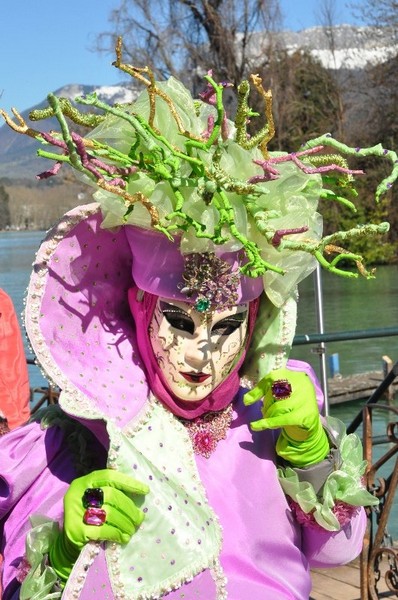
(122, 516)
(302, 441)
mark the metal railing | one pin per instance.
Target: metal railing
(320, 338)
(344, 336)
(379, 556)
(47, 394)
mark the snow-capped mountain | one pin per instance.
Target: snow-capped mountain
(18, 152)
(345, 46)
(112, 94)
(340, 47)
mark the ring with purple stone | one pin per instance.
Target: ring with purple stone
(94, 516)
(281, 389)
(93, 498)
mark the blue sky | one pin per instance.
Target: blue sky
(45, 44)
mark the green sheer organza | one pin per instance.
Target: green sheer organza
(285, 203)
(41, 581)
(345, 484)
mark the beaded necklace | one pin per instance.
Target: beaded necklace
(207, 430)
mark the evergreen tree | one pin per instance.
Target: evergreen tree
(5, 218)
(305, 99)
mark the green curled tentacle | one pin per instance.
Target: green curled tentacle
(80, 118)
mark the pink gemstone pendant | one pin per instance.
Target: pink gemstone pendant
(94, 516)
(281, 389)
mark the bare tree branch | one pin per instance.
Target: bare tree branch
(185, 38)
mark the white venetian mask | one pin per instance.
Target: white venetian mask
(196, 351)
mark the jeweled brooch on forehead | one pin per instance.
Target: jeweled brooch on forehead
(212, 280)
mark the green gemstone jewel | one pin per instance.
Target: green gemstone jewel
(202, 304)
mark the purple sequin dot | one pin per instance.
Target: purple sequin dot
(169, 507)
(145, 510)
(173, 562)
(139, 578)
(172, 531)
(199, 541)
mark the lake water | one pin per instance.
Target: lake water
(352, 304)
(348, 305)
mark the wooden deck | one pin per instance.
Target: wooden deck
(343, 583)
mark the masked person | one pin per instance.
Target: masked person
(14, 378)
(187, 456)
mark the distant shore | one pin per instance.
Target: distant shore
(356, 387)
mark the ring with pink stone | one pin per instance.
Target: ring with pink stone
(281, 389)
(93, 499)
(94, 516)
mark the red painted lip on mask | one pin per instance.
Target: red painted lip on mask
(195, 377)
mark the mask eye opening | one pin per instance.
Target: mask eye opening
(177, 318)
(230, 324)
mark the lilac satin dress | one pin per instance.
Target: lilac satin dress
(265, 553)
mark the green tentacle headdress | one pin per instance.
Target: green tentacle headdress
(180, 166)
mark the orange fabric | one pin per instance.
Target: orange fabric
(14, 378)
